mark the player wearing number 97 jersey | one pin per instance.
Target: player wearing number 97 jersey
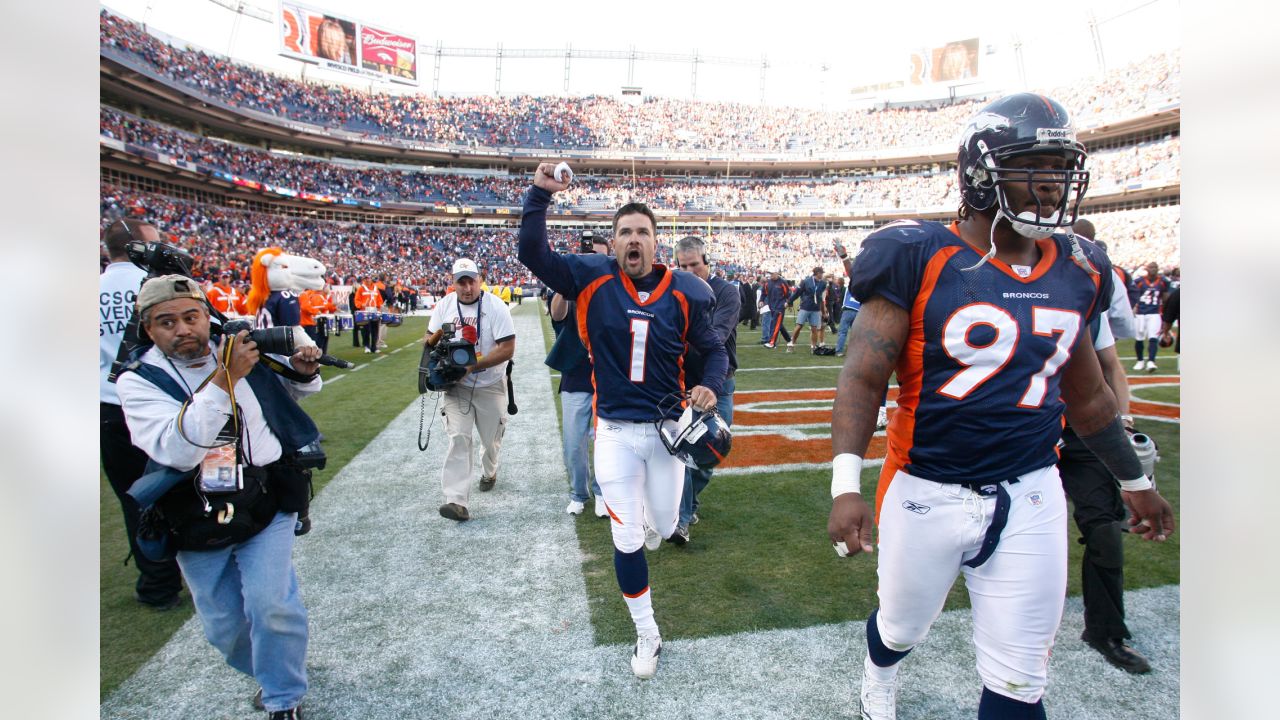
(978, 379)
(636, 319)
(985, 322)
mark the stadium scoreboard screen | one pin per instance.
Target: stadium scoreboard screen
(340, 43)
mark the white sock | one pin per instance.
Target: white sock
(641, 608)
(877, 673)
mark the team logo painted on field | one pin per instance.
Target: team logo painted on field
(1036, 498)
(916, 507)
(791, 429)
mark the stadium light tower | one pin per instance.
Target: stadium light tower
(1097, 43)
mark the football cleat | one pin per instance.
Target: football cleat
(1139, 365)
(644, 661)
(878, 700)
(1151, 366)
(700, 439)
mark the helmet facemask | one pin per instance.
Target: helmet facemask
(990, 173)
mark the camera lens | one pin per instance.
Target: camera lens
(460, 356)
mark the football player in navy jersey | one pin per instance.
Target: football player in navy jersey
(635, 317)
(985, 321)
(1151, 291)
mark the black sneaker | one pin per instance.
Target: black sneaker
(290, 714)
(163, 605)
(486, 483)
(454, 511)
(680, 536)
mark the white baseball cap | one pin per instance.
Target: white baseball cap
(463, 267)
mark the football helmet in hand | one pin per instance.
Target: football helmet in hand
(700, 438)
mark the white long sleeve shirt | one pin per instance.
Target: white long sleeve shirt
(152, 414)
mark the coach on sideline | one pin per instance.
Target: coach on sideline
(478, 401)
(691, 256)
(222, 432)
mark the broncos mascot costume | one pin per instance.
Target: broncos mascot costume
(276, 281)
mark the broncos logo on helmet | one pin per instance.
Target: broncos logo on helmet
(700, 439)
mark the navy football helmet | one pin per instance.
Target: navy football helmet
(1022, 124)
(700, 440)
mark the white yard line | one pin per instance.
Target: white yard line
(412, 615)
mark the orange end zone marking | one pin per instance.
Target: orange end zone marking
(753, 450)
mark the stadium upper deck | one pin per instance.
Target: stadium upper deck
(1140, 99)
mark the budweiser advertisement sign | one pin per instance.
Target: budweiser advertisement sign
(340, 43)
(389, 53)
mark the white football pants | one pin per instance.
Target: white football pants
(928, 530)
(639, 480)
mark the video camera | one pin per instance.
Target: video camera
(587, 244)
(445, 363)
(157, 258)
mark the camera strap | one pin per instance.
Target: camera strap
(284, 370)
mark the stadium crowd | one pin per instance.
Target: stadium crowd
(594, 122)
(1110, 169)
(419, 255)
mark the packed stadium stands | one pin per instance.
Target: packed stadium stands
(416, 250)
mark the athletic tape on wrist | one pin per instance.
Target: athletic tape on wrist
(846, 474)
(1136, 485)
(562, 173)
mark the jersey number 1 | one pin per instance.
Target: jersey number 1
(983, 361)
(639, 338)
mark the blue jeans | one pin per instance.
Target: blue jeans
(846, 320)
(696, 480)
(576, 433)
(766, 325)
(248, 601)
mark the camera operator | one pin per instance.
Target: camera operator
(158, 582)
(479, 399)
(222, 432)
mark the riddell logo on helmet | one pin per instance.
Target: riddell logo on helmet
(1043, 134)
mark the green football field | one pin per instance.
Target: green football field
(759, 559)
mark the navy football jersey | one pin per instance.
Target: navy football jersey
(636, 337)
(979, 375)
(281, 309)
(1149, 294)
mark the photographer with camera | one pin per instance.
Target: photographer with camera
(475, 395)
(158, 582)
(225, 487)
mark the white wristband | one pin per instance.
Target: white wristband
(1137, 484)
(846, 475)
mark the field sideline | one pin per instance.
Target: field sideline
(514, 615)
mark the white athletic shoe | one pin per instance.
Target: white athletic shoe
(1151, 366)
(882, 419)
(600, 509)
(644, 661)
(1139, 365)
(575, 507)
(878, 700)
(652, 540)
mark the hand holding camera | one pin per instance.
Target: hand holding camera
(446, 360)
(241, 359)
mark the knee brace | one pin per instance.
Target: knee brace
(1104, 545)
